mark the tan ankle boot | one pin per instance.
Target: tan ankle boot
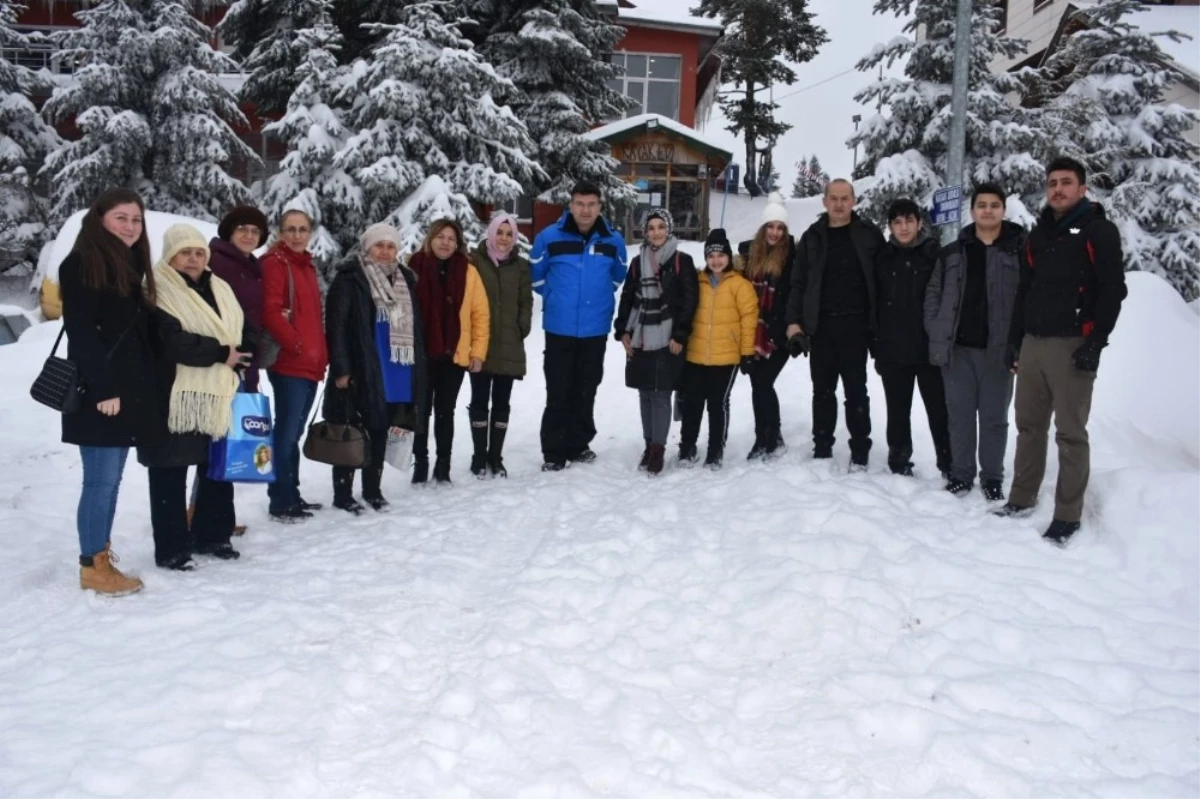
(103, 578)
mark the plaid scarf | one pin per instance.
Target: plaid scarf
(764, 284)
(393, 304)
(650, 322)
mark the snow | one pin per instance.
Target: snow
(1182, 18)
(773, 630)
(631, 123)
(668, 12)
(157, 223)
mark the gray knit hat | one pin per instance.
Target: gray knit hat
(665, 216)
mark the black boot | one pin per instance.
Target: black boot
(479, 438)
(495, 453)
(759, 449)
(420, 471)
(441, 469)
(645, 461)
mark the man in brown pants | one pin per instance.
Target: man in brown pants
(1070, 292)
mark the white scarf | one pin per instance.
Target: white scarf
(201, 396)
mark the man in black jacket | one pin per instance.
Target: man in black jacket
(832, 303)
(1068, 299)
(902, 271)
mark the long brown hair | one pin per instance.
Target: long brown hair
(763, 258)
(105, 262)
(436, 228)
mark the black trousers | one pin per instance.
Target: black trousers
(898, 381)
(489, 390)
(372, 473)
(706, 386)
(839, 352)
(445, 380)
(766, 401)
(212, 524)
(574, 368)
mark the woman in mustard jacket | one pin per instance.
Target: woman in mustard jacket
(457, 325)
(722, 339)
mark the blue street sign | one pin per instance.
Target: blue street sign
(947, 206)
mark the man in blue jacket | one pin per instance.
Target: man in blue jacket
(578, 266)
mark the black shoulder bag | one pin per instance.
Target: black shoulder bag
(58, 386)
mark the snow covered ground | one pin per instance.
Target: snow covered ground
(771, 630)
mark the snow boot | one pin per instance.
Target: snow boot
(420, 471)
(495, 450)
(821, 454)
(479, 439)
(993, 490)
(655, 458)
(645, 461)
(857, 465)
(98, 574)
(441, 470)
(1011, 511)
(687, 455)
(1059, 533)
(960, 488)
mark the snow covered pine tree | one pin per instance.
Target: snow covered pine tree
(810, 179)
(25, 139)
(1136, 146)
(904, 146)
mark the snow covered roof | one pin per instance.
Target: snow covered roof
(624, 128)
(1185, 19)
(667, 14)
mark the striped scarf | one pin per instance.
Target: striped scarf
(650, 323)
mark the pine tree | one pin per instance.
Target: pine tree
(24, 141)
(905, 149)
(1136, 146)
(424, 105)
(556, 55)
(759, 35)
(810, 179)
(263, 36)
(152, 113)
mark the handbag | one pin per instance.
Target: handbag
(268, 347)
(337, 444)
(247, 453)
(398, 453)
(57, 386)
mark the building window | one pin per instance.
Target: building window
(680, 188)
(651, 81)
(521, 208)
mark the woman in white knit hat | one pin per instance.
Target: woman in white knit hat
(202, 343)
(766, 261)
(376, 356)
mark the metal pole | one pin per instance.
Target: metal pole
(958, 106)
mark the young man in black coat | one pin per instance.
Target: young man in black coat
(832, 305)
(1068, 299)
(902, 271)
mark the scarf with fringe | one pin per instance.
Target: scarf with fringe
(393, 304)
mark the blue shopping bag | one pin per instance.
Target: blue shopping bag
(247, 454)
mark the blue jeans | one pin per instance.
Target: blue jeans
(102, 470)
(294, 398)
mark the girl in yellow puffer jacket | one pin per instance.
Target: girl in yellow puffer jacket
(722, 339)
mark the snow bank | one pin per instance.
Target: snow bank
(741, 214)
(52, 254)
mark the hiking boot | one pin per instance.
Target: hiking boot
(654, 463)
(351, 506)
(222, 551)
(1059, 532)
(239, 529)
(993, 490)
(687, 455)
(98, 574)
(1012, 511)
(586, 456)
(291, 516)
(959, 488)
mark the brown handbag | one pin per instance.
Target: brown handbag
(337, 444)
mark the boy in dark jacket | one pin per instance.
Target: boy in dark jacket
(902, 271)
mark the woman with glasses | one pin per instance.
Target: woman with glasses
(292, 316)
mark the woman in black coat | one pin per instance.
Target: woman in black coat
(106, 312)
(654, 320)
(196, 380)
(376, 357)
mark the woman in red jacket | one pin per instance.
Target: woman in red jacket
(292, 317)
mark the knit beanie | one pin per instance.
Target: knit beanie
(775, 211)
(380, 231)
(244, 215)
(181, 237)
(665, 216)
(717, 241)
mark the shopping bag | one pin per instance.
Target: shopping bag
(398, 453)
(247, 454)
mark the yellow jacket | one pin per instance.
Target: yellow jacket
(725, 321)
(474, 319)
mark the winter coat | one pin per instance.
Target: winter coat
(777, 324)
(723, 330)
(243, 273)
(510, 309)
(474, 317)
(901, 277)
(109, 340)
(302, 350)
(804, 302)
(948, 285)
(659, 370)
(1072, 277)
(173, 345)
(350, 317)
(577, 277)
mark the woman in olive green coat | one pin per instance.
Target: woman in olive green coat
(506, 278)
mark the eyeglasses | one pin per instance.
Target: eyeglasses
(296, 231)
(251, 230)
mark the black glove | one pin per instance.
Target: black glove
(798, 345)
(747, 365)
(1087, 357)
(1012, 354)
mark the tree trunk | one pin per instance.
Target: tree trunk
(750, 179)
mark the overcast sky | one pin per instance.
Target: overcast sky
(820, 116)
